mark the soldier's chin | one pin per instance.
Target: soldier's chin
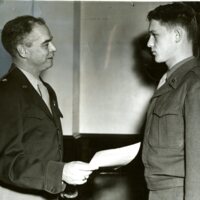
(158, 60)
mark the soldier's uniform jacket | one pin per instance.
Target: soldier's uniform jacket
(171, 148)
(30, 138)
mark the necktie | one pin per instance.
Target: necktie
(162, 81)
(44, 94)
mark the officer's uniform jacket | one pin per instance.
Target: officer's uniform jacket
(30, 140)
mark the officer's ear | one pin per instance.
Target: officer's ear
(179, 33)
(22, 50)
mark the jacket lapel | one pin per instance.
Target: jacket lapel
(29, 91)
(53, 103)
(164, 89)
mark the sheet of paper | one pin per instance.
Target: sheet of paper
(115, 157)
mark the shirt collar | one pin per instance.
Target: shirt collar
(32, 79)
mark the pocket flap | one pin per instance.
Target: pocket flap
(34, 112)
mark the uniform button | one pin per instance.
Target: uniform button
(173, 80)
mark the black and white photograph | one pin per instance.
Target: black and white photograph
(99, 100)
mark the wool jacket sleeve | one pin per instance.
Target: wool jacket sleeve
(192, 141)
(23, 136)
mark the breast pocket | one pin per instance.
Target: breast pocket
(167, 129)
(37, 127)
(34, 119)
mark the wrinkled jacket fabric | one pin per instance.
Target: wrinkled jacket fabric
(171, 147)
(30, 139)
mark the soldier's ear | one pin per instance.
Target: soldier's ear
(178, 34)
(22, 50)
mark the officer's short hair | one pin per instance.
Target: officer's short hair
(15, 30)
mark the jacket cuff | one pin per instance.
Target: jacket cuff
(53, 177)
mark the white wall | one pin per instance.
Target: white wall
(113, 97)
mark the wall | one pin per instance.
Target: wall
(113, 98)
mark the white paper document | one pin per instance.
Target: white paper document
(115, 157)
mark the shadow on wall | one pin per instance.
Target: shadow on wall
(145, 66)
(5, 60)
